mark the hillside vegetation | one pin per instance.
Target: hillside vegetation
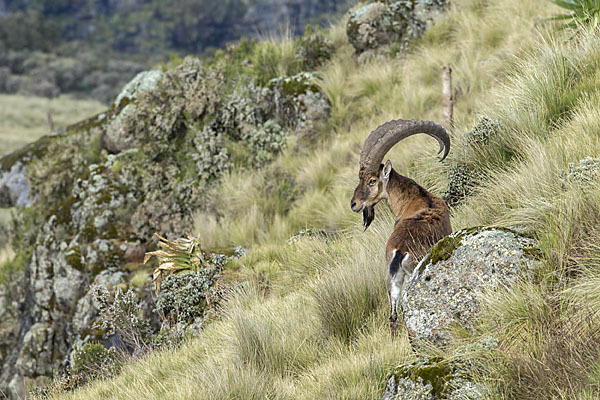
(310, 321)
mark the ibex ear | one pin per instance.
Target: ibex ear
(385, 172)
(368, 216)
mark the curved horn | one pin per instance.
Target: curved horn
(382, 139)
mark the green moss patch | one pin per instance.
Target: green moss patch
(443, 249)
(73, 258)
(440, 373)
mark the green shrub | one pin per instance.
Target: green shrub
(267, 141)
(211, 157)
(93, 360)
(122, 315)
(314, 48)
(462, 182)
(580, 13)
(483, 131)
(9, 269)
(185, 297)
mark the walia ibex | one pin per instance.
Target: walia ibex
(422, 218)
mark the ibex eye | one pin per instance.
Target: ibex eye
(372, 181)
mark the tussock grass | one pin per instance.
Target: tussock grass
(276, 55)
(6, 253)
(350, 291)
(550, 343)
(280, 338)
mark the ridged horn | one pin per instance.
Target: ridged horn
(382, 139)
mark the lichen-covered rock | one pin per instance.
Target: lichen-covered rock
(584, 171)
(297, 103)
(381, 23)
(14, 188)
(445, 287)
(406, 389)
(118, 137)
(433, 379)
(143, 82)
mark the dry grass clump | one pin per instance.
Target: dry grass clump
(549, 343)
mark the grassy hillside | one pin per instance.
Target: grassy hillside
(311, 319)
(23, 119)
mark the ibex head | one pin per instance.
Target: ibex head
(372, 175)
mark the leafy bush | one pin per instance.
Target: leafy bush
(581, 13)
(29, 30)
(267, 141)
(483, 131)
(122, 315)
(465, 174)
(211, 157)
(93, 360)
(314, 48)
(10, 269)
(462, 182)
(185, 297)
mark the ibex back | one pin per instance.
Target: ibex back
(422, 218)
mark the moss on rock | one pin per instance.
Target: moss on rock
(381, 23)
(434, 378)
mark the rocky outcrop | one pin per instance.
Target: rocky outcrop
(445, 287)
(117, 137)
(99, 190)
(381, 24)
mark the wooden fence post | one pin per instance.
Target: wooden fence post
(447, 99)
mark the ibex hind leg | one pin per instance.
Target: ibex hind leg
(396, 274)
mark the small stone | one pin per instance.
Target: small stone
(135, 252)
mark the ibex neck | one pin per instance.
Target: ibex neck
(405, 196)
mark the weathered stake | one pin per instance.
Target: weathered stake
(447, 99)
(50, 121)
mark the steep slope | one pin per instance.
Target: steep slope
(311, 321)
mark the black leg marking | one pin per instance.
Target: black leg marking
(396, 262)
